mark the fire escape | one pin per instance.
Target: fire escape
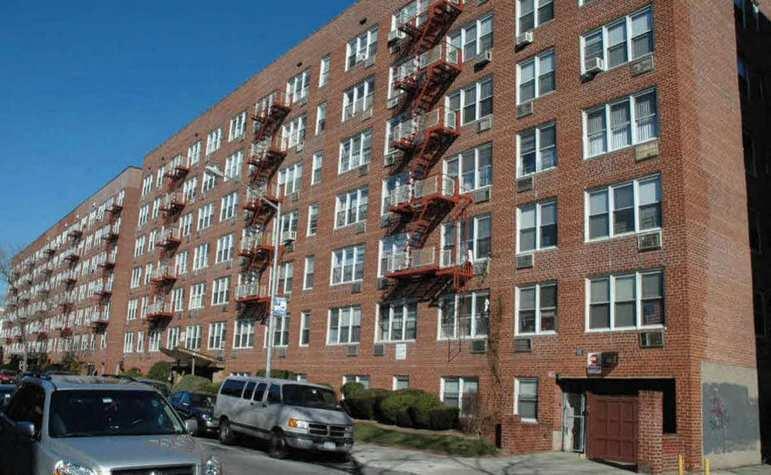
(175, 175)
(172, 206)
(423, 275)
(428, 27)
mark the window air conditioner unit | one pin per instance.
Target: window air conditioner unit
(525, 109)
(642, 66)
(594, 65)
(523, 345)
(393, 102)
(394, 37)
(524, 184)
(478, 346)
(525, 261)
(652, 339)
(378, 349)
(294, 196)
(524, 39)
(484, 124)
(299, 147)
(484, 59)
(281, 352)
(367, 114)
(356, 288)
(364, 169)
(361, 57)
(369, 62)
(646, 151)
(482, 195)
(361, 227)
(649, 241)
(390, 158)
(290, 236)
(382, 283)
(352, 350)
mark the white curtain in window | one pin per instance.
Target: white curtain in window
(645, 113)
(596, 131)
(620, 126)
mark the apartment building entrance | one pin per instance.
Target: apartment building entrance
(574, 422)
(612, 428)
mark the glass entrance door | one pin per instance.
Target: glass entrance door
(573, 422)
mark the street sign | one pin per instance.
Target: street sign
(594, 364)
(279, 307)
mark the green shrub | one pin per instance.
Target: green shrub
(279, 374)
(192, 383)
(420, 410)
(408, 408)
(379, 395)
(403, 418)
(160, 371)
(444, 418)
(133, 372)
(352, 389)
(360, 406)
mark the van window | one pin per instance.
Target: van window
(260, 392)
(274, 394)
(233, 388)
(249, 390)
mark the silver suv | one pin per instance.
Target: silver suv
(94, 426)
(289, 414)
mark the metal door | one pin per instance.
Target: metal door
(612, 428)
(574, 422)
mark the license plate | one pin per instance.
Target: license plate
(329, 446)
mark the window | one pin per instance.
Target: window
(208, 182)
(473, 169)
(305, 329)
(537, 309)
(225, 249)
(526, 399)
(459, 239)
(321, 118)
(619, 42)
(194, 153)
(154, 341)
(318, 161)
(297, 87)
(289, 224)
(139, 246)
(313, 219)
(281, 331)
(172, 338)
(201, 256)
(355, 151)
(178, 299)
(197, 291)
(189, 189)
(180, 263)
(362, 379)
(237, 127)
(359, 98)
(290, 179)
(285, 277)
(536, 77)
(147, 185)
(132, 309)
(344, 326)
(144, 215)
(217, 336)
(472, 102)
(475, 38)
(392, 248)
(633, 120)
(136, 277)
(351, 207)
(233, 165)
(156, 208)
(186, 224)
(460, 393)
(464, 314)
(623, 209)
(228, 206)
(398, 322)
(244, 334)
(310, 272)
(205, 216)
(533, 13)
(213, 141)
(293, 132)
(348, 265)
(401, 382)
(626, 301)
(361, 48)
(193, 337)
(537, 227)
(220, 291)
(324, 71)
(128, 343)
(537, 149)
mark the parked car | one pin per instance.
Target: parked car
(160, 386)
(290, 414)
(6, 392)
(198, 406)
(90, 425)
(7, 376)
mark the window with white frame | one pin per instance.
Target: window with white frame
(624, 209)
(305, 329)
(193, 337)
(620, 41)
(213, 141)
(317, 163)
(625, 301)
(194, 153)
(144, 215)
(464, 315)
(147, 185)
(172, 338)
(533, 13)
(178, 299)
(630, 121)
(537, 227)
(351, 207)
(288, 224)
(201, 256)
(390, 246)
(321, 118)
(139, 246)
(180, 262)
(208, 182)
(535, 77)
(459, 238)
(348, 265)
(217, 335)
(344, 325)
(397, 322)
(237, 127)
(309, 273)
(474, 39)
(313, 219)
(189, 189)
(290, 179)
(537, 309)
(526, 399)
(285, 277)
(537, 149)
(293, 132)
(228, 206)
(281, 331)
(154, 341)
(401, 382)
(472, 102)
(220, 291)
(390, 185)
(156, 208)
(186, 224)
(472, 169)
(205, 216)
(297, 87)
(358, 98)
(460, 393)
(136, 277)
(362, 379)
(225, 249)
(233, 165)
(128, 343)
(132, 309)
(197, 292)
(324, 67)
(159, 175)
(355, 151)
(243, 337)
(361, 48)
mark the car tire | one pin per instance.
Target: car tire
(201, 432)
(226, 435)
(278, 446)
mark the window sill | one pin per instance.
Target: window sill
(478, 337)
(343, 344)
(626, 147)
(340, 284)
(622, 236)
(537, 251)
(625, 329)
(393, 342)
(531, 335)
(528, 421)
(621, 65)
(535, 174)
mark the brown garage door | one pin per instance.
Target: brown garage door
(612, 428)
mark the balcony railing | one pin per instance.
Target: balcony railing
(252, 292)
(411, 260)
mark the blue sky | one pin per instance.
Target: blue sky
(89, 87)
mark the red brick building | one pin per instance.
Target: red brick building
(553, 237)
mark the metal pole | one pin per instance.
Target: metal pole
(273, 289)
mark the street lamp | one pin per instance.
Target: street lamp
(273, 282)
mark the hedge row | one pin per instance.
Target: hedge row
(404, 408)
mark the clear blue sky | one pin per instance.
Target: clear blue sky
(89, 87)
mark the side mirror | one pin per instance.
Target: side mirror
(191, 426)
(25, 430)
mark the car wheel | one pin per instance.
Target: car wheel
(227, 437)
(278, 446)
(201, 432)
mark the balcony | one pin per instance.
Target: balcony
(103, 291)
(428, 27)
(111, 236)
(437, 70)
(164, 276)
(253, 294)
(420, 274)
(65, 332)
(49, 252)
(265, 159)
(269, 119)
(99, 321)
(74, 234)
(71, 257)
(257, 250)
(41, 335)
(259, 205)
(173, 204)
(169, 240)
(159, 311)
(114, 210)
(423, 141)
(108, 265)
(175, 175)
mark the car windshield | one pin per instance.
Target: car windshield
(111, 413)
(309, 396)
(201, 400)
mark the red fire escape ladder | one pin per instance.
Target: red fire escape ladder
(270, 119)
(434, 25)
(265, 160)
(433, 83)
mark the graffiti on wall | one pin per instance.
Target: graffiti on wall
(730, 418)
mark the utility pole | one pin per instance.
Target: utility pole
(273, 284)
